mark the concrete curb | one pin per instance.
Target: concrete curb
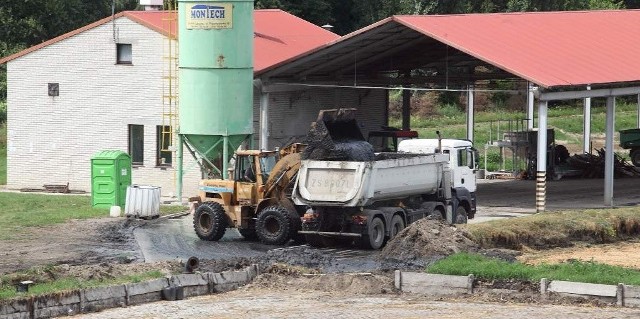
(431, 284)
(100, 298)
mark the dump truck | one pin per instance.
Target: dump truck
(255, 199)
(369, 202)
(630, 139)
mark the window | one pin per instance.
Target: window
(163, 138)
(136, 144)
(465, 158)
(124, 53)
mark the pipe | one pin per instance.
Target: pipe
(179, 169)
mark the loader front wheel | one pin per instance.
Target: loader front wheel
(274, 225)
(210, 221)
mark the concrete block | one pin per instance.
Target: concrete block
(9, 307)
(424, 283)
(228, 277)
(147, 286)
(16, 315)
(579, 288)
(631, 296)
(397, 279)
(96, 299)
(185, 280)
(192, 291)
(147, 291)
(53, 305)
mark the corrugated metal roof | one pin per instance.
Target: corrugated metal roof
(278, 34)
(550, 49)
(547, 48)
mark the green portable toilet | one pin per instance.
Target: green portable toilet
(110, 177)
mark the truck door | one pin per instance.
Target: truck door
(464, 170)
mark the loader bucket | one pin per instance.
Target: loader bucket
(336, 136)
(340, 124)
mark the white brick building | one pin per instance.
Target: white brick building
(51, 139)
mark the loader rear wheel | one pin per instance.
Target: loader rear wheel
(274, 225)
(248, 234)
(210, 221)
(635, 157)
(375, 237)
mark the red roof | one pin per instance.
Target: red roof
(547, 48)
(278, 34)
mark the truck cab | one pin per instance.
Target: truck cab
(463, 164)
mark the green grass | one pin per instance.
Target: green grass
(463, 264)
(558, 229)
(20, 211)
(567, 122)
(61, 285)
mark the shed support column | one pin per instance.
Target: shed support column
(608, 146)
(179, 169)
(530, 103)
(470, 113)
(406, 110)
(264, 120)
(586, 124)
(638, 119)
(541, 178)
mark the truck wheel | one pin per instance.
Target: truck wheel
(375, 237)
(210, 221)
(635, 157)
(248, 234)
(461, 215)
(273, 225)
(397, 225)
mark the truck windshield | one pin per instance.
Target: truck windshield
(267, 164)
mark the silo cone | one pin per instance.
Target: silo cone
(215, 76)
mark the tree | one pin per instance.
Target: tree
(29, 22)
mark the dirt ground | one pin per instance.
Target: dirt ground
(103, 248)
(357, 296)
(76, 242)
(620, 254)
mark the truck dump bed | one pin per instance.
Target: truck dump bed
(351, 184)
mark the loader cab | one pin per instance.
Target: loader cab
(251, 170)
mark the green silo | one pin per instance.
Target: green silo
(215, 78)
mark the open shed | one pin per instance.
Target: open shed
(563, 56)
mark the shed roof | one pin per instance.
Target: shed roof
(278, 34)
(551, 49)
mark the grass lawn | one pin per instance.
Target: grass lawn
(463, 264)
(7, 290)
(19, 211)
(558, 229)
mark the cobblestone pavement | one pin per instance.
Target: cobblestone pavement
(296, 304)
